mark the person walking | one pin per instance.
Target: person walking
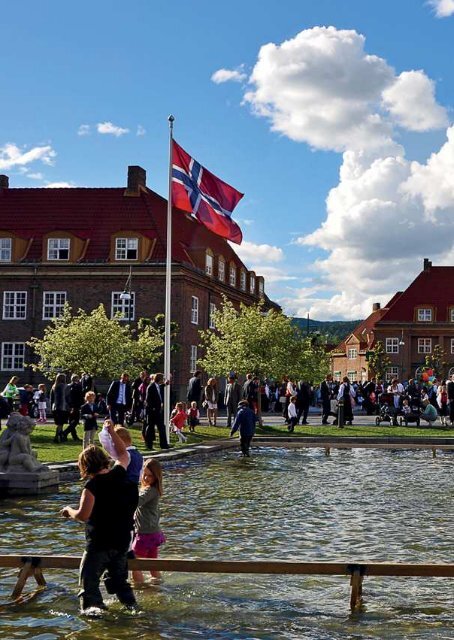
(59, 405)
(211, 398)
(138, 388)
(11, 392)
(245, 421)
(119, 399)
(232, 396)
(450, 392)
(347, 394)
(303, 400)
(326, 395)
(75, 401)
(194, 392)
(154, 409)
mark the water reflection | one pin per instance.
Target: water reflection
(285, 504)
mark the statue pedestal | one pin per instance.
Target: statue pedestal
(25, 483)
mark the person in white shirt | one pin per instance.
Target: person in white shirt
(292, 414)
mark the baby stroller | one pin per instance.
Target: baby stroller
(414, 414)
(387, 411)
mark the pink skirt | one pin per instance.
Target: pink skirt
(145, 545)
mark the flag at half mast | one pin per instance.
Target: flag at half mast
(207, 197)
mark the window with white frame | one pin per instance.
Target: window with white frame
(194, 310)
(193, 359)
(211, 322)
(451, 314)
(58, 248)
(232, 275)
(123, 305)
(424, 345)
(221, 269)
(243, 280)
(392, 345)
(352, 376)
(126, 248)
(452, 345)
(337, 376)
(14, 305)
(252, 283)
(261, 288)
(352, 353)
(53, 303)
(208, 264)
(391, 373)
(424, 315)
(5, 249)
(13, 356)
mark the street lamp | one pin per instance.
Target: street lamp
(126, 295)
(401, 345)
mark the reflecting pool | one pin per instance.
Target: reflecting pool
(355, 505)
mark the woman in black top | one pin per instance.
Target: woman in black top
(59, 405)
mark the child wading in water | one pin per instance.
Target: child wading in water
(148, 531)
(107, 506)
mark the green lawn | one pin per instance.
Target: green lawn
(42, 436)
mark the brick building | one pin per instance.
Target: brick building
(410, 325)
(79, 245)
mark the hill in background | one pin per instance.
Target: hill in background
(334, 330)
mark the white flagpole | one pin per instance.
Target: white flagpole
(167, 371)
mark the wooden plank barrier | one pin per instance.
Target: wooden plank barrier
(33, 566)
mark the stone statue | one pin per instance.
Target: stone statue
(16, 454)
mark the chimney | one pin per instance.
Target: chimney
(4, 182)
(137, 179)
(376, 306)
(427, 264)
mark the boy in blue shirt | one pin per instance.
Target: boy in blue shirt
(245, 421)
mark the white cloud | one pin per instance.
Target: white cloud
(59, 185)
(414, 88)
(13, 156)
(35, 176)
(251, 252)
(323, 88)
(229, 75)
(386, 212)
(443, 8)
(108, 128)
(84, 130)
(141, 131)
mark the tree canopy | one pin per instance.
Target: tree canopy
(94, 343)
(266, 343)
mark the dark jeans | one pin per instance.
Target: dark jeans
(114, 564)
(231, 413)
(292, 423)
(303, 410)
(117, 413)
(73, 421)
(245, 444)
(326, 410)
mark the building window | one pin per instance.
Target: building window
(126, 248)
(337, 376)
(221, 269)
(193, 360)
(194, 310)
(5, 249)
(123, 306)
(53, 303)
(392, 345)
(243, 280)
(208, 264)
(14, 305)
(451, 314)
(211, 323)
(424, 345)
(232, 275)
(352, 376)
(452, 345)
(424, 315)
(352, 354)
(261, 288)
(58, 248)
(252, 283)
(13, 356)
(391, 373)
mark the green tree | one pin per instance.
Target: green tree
(379, 361)
(437, 361)
(95, 343)
(265, 343)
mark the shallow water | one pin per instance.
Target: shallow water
(356, 505)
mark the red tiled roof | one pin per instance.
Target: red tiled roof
(98, 213)
(364, 327)
(433, 287)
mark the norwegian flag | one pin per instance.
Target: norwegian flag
(208, 198)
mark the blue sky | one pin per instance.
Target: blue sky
(361, 88)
